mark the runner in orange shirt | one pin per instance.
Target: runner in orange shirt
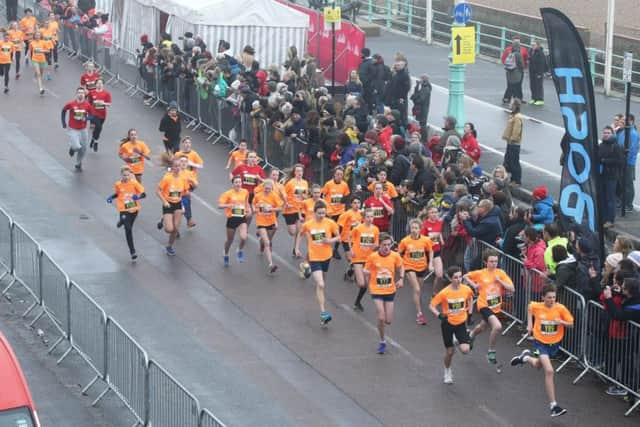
(17, 38)
(278, 189)
(170, 190)
(363, 241)
(38, 49)
(296, 190)
(347, 221)
(235, 202)
(380, 272)
(417, 255)
(388, 189)
(238, 156)
(28, 25)
(47, 36)
(127, 194)
(490, 283)
(455, 303)
(335, 192)
(551, 318)
(306, 209)
(193, 163)
(7, 50)
(133, 152)
(266, 204)
(53, 28)
(321, 234)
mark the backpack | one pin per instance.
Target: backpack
(510, 61)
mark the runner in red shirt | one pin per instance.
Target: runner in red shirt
(78, 110)
(89, 77)
(251, 173)
(382, 207)
(432, 228)
(100, 99)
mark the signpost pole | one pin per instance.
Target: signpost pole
(626, 74)
(455, 106)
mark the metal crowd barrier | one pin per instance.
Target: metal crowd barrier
(613, 351)
(26, 264)
(207, 419)
(6, 246)
(170, 403)
(126, 371)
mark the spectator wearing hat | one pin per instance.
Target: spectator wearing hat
(401, 163)
(542, 212)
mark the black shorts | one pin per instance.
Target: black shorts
(320, 265)
(234, 222)
(384, 298)
(291, 218)
(334, 218)
(267, 227)
(437, 253)
(172, 208)
(420, 274)
(346, 246)
(485, 312)
(251, 196)
(449, 330)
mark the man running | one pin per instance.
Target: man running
(237, 208)
(322, 234)
(7, 50)
(490, 283)
(382, 207)
(417, 254)
(363, 242)
(335, 192)
(78, 110)
(551, 318)
(455, 303)
(380, 272)
(170, 191)
(194, 162)
(252, 174)
(100, 99)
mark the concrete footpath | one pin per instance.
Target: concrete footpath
(484, 87)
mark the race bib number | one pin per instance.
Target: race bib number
(39, 50)
(79, 114)
(318, 235)
(416, 255)
(455, 305)
(367, 240)
(299, 191)
(336, 199)
(494, 301)
(237, 211)
(434, 237)
(378, 212)
(6, 50)
(129, 204)
(265, 209)
(175, 194)
(98, 104)
(250, 180)
(135, 159)
(384, 280)
(548, 327)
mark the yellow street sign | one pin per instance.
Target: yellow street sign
(332, 14)
(463, 45)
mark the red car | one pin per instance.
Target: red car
(16, 405)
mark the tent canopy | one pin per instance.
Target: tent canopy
(261, 13)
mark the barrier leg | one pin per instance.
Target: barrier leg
(565, 363)
(3, 275)
(55, 344)
(4, 291)
(106, 390)
(64, 355)
(582, 374)
(633, 408)
(511, 325)
(521, 340)
(31, 307)
(33, 322)
(88, 386)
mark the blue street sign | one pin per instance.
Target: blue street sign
(462, 13)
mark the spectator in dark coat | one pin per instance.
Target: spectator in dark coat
(398, 88)
(381, 77)
(566, 267)
(359, 112)
(401, 163)
(486, 227)
(421, 98)
(171, 127)
(510, 240)
(537, 68)
(630, 306)
(611, 161)
(366, 73)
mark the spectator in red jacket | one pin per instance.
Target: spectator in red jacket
(534, 259)
(469, 142)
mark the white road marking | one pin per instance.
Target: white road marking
(294, 269)
(497, 418)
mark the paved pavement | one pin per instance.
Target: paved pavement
(485, 84)
(247, 345)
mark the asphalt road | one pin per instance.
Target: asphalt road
(247, 345)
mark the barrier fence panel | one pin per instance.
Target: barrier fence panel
(26, 259)
(574, 338)
(612, 351)
(55, 296)
(207, 419)
(6, 252)
(126, 372)
(87, 332)
(170, 404)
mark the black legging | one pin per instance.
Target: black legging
(97, 127)
(127, 219)
(17, 55)
(4, 71)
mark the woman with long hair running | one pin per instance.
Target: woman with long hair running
(235, 202)
(170, 190)
(38, 49)
(265, 204)
(296, 190)
(16, 36)
(128, 192)
(134, 152)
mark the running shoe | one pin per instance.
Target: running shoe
(18, 76)
(325, 317)
(78, 168)
(273, 268)
(134, 257)
(170, 251)
(91, 143)
(95, 147)
(55, 67)
(491, 357)
(358, 307)
(191, 223)
(556, 411)
(336, 254)
(539, 103)
(614, 390)
(159, 224)
(382, 347)
(240, 256)
(71, 152)
(519, 359)
(420, 319)
(532, 101)
(448, 376)
(225, 259)
(6, 90)
(41, 91)
(305, 270)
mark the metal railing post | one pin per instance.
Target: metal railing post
(503, 39)
(388, 14)
(370, 11)
(409, 16)
(478, 39)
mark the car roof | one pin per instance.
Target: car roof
(14, 392)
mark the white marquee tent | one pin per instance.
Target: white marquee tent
(266, 25)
